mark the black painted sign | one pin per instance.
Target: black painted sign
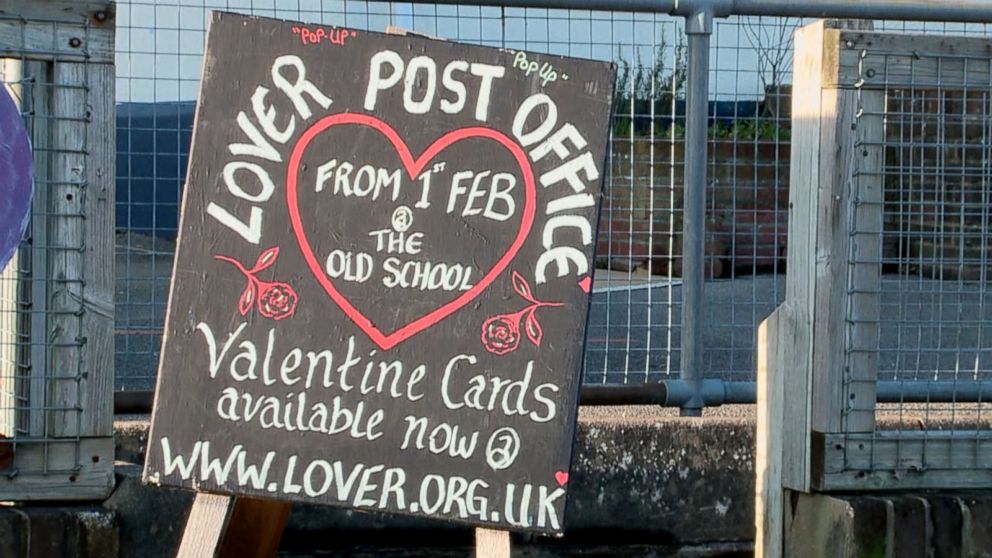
(383, 274)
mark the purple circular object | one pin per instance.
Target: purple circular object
(16, 177)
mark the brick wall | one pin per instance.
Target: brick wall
(937, 195)
(937, 184)
(747, 207)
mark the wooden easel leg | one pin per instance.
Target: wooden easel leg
(205, 525)
(255, 528)
(231, 527)
(490, 543)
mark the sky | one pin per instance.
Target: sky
(160, 42)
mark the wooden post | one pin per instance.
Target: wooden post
(71, 262)
(56, 313)
(865, 259)
(229, 527)
(67, 193)
(81, 258)
(491, 543)
(768, 443)
(834, 275)
(99, 238)
(806, 123)
(776, 363)
(78, 253)
(817, 354)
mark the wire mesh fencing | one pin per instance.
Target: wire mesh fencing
(634, 332)
(926, 233)
(56, 294)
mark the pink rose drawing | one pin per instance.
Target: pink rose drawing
(501, 333)
(273, 299)
(277, 301)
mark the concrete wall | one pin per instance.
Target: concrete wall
(644, 483)
(887, 525)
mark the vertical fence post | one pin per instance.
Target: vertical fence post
(698, 27)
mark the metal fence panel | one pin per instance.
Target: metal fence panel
(635, 324)
(635, 329)
(56, 296)
(932, 242)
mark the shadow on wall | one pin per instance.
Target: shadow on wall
(152, 149)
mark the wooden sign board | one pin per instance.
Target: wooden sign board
(382, 281)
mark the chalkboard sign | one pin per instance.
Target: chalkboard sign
(383, 274)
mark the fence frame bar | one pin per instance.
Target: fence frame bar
(699, 28)
(969, 11)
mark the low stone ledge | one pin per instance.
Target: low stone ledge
(641, 477)
(67, 532)
(899, 525)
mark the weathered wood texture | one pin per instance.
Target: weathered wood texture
(768, 442)
(896, 60)
(490, 543)
(806, 126)
(35, 77)
(830, 350)
(899, 460)
(864, 255)
(78, 470)
(66, 193)
(97, 387)
(65, 342)
(57, 30)
(836, 189)
(205, 526)
(80, 251)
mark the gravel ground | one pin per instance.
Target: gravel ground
(890, 416)
(930, 329)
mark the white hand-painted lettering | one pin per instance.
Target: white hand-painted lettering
(419, 76)
(362, 485)
(296, 90)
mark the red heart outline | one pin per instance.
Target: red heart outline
(413, 168)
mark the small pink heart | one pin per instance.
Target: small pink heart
(562, 478)
(586, 283)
